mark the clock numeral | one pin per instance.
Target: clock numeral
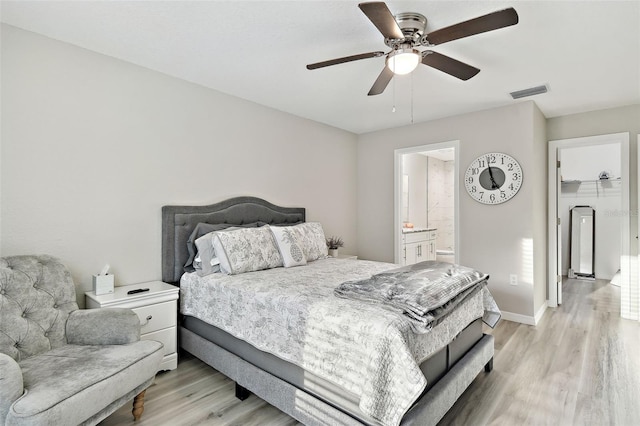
(474, 189)
(475, 170)
(491, 159)
(481, 163)
(492, 197)
(469, 180)
(509, 166)
(511, 187)
(481, 195)
(503, 194)
(516, 176)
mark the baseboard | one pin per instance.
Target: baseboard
(525, 319)
(522, 319)
(541, 312)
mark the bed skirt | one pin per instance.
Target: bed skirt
(311, 411)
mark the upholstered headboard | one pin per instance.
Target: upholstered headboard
(178, 223)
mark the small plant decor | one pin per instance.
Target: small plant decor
(333, 243)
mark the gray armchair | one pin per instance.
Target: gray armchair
(60, 365)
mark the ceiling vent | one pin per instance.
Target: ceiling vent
(529, 92)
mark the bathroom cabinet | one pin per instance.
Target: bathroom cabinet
(418, 245)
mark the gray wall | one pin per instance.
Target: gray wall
(92, 147)
(504, 239)
(539, 206)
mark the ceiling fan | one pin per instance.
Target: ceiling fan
(404, 32)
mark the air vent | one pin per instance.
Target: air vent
(529, 92)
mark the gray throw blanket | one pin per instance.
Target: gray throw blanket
(424, 292)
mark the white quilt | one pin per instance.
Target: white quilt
(292, 313)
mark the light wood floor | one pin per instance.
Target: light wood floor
(579, 366)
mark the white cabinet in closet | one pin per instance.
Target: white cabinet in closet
(418, 246)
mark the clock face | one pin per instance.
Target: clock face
(493, 178)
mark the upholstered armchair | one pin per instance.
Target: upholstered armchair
(60, 365)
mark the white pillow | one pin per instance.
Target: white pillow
(206, 262)
(310, 236)
(246, 250)
(290, 249)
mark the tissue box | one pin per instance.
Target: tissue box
(103, 284)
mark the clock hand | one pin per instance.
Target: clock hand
(494, 185)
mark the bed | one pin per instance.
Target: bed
(300, 381)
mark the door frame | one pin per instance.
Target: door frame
(554, 194)
(397, 184)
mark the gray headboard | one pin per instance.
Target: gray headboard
(178, 223)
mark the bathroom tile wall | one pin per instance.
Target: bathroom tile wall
(440, 201)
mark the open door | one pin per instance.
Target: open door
(558, 275)
(554, 235)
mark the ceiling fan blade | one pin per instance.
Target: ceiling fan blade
(381, 82)
(492, 21)
(345, 59)
(382, 18)
(449, 65)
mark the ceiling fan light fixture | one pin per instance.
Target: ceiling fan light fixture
(403, 61)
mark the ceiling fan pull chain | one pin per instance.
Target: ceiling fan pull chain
(393, 109)
(411, 98)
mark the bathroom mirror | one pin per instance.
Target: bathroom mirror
(405, 198)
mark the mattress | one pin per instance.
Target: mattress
(300, 328)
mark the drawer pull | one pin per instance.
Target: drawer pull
(147, 321)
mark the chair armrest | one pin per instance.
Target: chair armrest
(103, 326)
(11, 384)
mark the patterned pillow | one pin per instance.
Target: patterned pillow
(206, 261)
(310, 236)
(202, 229)
(290, 249)
(246, 250)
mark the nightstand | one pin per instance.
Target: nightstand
(156, 308)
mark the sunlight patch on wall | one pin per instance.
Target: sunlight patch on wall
(629, 289)
(526, 273)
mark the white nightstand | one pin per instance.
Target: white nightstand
(157, 309)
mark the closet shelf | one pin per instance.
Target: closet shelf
(578, 182)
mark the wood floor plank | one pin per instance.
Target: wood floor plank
(579, 366)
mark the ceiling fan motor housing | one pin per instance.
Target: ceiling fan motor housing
(412, 26)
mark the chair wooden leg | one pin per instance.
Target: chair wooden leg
(138, 405)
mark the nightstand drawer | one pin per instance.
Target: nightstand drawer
(167, 337)
(156, 317)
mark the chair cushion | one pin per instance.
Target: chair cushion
(69, 384)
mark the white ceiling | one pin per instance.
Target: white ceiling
(587, 52)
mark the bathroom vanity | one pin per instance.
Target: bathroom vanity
(418, 245)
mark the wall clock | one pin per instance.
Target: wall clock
(493, 178)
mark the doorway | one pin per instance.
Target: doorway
(580, 175)
(426, 202)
